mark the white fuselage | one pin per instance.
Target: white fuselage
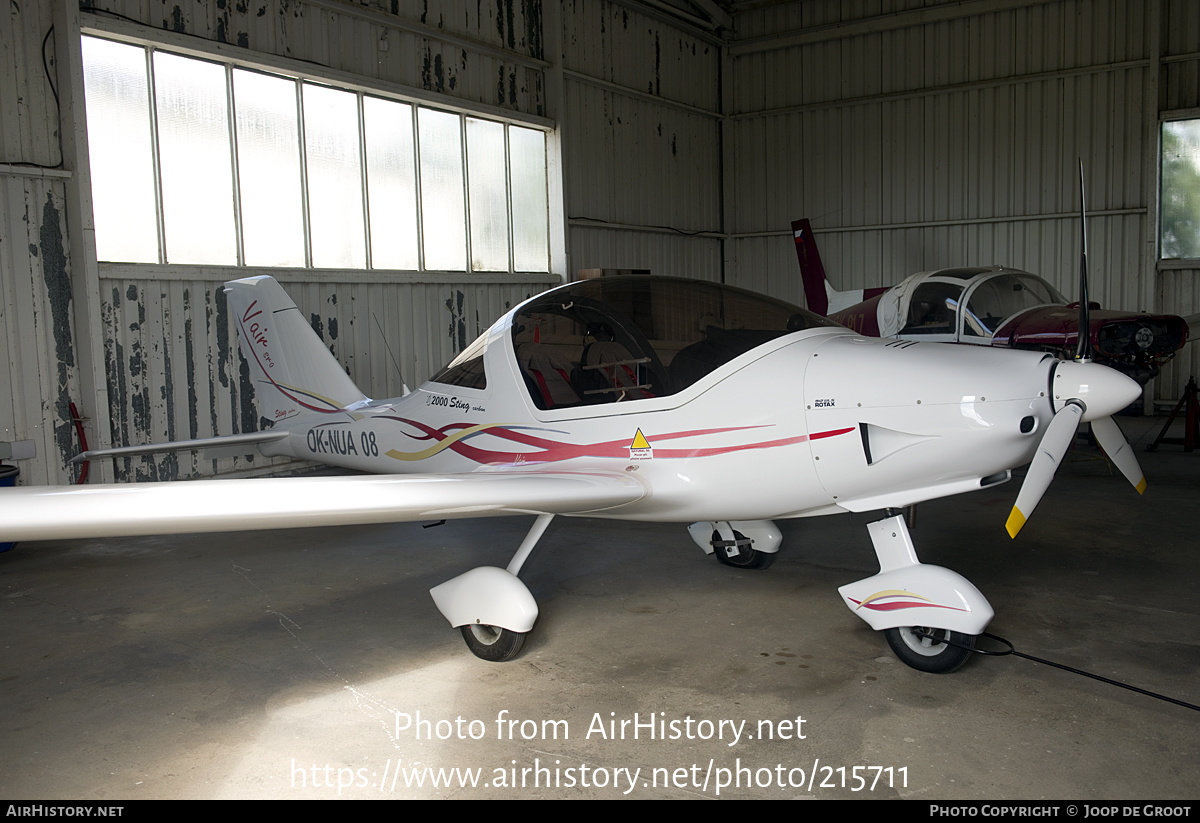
(785, 430)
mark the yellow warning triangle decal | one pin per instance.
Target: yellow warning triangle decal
(639, 441)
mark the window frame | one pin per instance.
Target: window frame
(301, 73)
(1186, 261)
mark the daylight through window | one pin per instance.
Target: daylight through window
(1179, 214)
(199, 162)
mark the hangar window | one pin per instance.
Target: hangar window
(1179, 213)
(202, 162)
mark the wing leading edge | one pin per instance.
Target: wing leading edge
(178, 507)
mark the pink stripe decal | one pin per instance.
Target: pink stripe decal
(896, 605)
(553, 451)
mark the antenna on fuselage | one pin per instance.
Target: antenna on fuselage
(391, 354)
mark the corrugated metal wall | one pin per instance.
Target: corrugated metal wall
(919, 136)
(953, 142)
(642, 141)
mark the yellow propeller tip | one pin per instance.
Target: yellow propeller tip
(1016, 521)
(1141, 486)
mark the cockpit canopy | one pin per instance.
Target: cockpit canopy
(615, 339)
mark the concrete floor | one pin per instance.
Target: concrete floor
(277, 664)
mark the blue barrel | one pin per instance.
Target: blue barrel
(8, 477)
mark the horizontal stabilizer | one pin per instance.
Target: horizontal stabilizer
(231, 444)
(180, 507)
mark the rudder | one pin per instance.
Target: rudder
(812, 272)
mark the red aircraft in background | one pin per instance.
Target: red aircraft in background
(993, 306)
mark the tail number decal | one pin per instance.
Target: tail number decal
(341, 441)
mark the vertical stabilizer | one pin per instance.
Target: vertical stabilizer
(812, 273)
(292, 369)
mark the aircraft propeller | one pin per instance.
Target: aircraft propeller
(1087, 392)
(1083, 348)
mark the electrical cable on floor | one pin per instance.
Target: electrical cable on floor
(1011, 650)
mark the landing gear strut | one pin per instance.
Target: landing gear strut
(490, 606)
(930, 615)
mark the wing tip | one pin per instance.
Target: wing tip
(1140, 486)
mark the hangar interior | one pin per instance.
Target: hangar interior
(681, 138)
(676, 136)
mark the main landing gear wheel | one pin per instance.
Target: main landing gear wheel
(745, 557)
(492, 642)
(930, 654)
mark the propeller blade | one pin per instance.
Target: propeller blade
(1109, 436)
(1051, 450)
(1083, 348)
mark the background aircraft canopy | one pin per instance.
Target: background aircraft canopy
(994, 299)
(930, 303)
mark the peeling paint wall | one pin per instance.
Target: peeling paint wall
(37, 355)
(37, 339)
(175, 371)
(481, 52)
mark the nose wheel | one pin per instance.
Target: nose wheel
(492, 642)
(937, 651)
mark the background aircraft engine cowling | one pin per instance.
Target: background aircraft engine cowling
(928, 419)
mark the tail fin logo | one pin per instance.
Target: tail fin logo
(257, 332)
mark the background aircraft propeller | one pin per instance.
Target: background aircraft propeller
(1088, 392)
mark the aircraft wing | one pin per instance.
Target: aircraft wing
(184, 506)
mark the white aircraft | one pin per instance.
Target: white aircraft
(635, 398)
